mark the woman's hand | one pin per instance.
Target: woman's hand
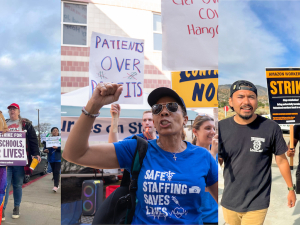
(115, 109)
(104, 93)
(214, 146)
(54, 147)
(46, 150)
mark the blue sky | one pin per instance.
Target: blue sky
(30, 59)
(254, 35)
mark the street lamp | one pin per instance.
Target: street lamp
(39, 126)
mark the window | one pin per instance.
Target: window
(74, 24)
(157, 32)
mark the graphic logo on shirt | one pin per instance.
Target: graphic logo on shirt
(169, 175)
(194, 189)
(179, 212)
(257, 144)
(14, 127)
(175, 200)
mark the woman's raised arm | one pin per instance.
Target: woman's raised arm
(77, 149)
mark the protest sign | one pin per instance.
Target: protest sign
(284, 94)
(13, 149)
(190, 35)
(197, 88)
(53, 141)
(118, 60)
(101, 126)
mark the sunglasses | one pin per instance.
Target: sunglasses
(171, 107)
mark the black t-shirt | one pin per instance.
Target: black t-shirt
(247, 153)
(297, 132)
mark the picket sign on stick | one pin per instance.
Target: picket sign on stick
(117, 60)
(292, 146)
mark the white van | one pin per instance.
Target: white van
(284, 127)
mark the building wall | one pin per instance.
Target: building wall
(127, 18)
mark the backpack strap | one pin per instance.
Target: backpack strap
(139, 155)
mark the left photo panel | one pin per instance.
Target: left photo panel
(30, 87)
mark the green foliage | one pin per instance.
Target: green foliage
(260, 104)
(221, 104)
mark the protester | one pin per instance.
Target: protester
(148, 133)
(54, 158)
(246, 144)
(291, 153)
(205, 136)
(3, 180)
(15, 174)
(171, 177)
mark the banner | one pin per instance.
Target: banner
(101, 126)
(284, 94)
(189, 35)
(118, 60)
(198, 88)
(53, 141)
(13, 149)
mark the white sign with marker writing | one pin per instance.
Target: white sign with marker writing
(118, 60)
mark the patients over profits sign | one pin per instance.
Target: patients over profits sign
(118, 60)
(13, 149)
(284, 94)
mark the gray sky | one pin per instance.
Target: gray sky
(254, 35)
(30, 59)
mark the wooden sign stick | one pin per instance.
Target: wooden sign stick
(291, 146)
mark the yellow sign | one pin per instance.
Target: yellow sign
(197, 88)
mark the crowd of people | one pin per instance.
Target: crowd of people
(178, 180)
(244, 141)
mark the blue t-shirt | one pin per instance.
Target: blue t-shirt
(209, 206)
(169, 191)
(51, 156)
(140, 135)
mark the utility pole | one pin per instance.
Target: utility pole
(39, 126)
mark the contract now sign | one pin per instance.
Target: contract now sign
(197, 88)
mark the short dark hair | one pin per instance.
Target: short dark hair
(54, 128)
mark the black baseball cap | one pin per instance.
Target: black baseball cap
(242, 85)
(160, 92)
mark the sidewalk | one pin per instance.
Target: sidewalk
(278, 212)
(40, 205)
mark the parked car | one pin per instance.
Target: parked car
(41, 168)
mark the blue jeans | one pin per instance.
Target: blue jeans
(49, 170)
(15, 176)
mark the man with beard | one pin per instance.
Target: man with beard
(247, 142)
(149, 132)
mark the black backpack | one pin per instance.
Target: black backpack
(119, 206)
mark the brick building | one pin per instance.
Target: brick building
(139, 19)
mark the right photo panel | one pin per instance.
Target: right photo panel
(258, 112)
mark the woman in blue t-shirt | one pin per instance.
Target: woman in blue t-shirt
(174, 173)
(54, 158)
(205, 136)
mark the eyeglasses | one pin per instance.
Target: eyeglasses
(171, 107)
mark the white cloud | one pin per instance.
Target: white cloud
(245, 46)
(6, 61)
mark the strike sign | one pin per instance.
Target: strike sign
(13, 149)
(284, 94)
